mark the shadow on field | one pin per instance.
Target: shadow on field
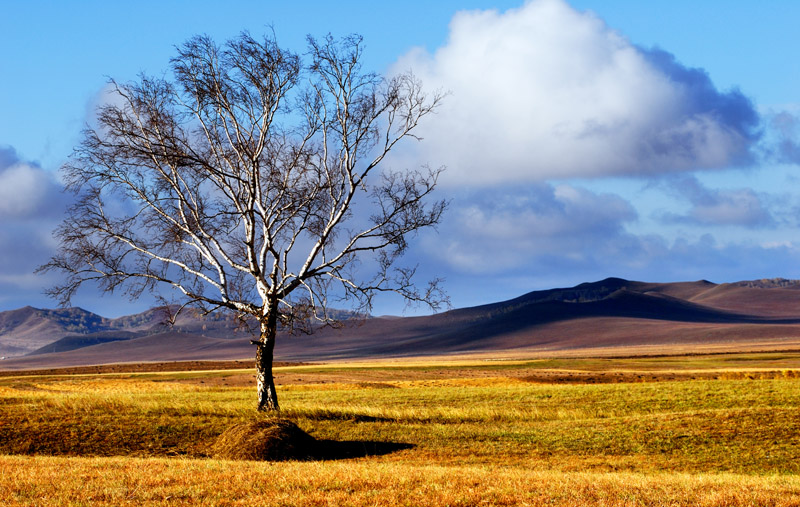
(345, 449)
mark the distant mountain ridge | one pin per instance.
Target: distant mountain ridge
(610, 312)
(32, 330)
(28, 328)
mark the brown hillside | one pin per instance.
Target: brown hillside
(604, 314)
(766, 301)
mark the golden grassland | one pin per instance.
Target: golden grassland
(160, 481)
(711, 430)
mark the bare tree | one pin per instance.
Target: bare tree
(251, 182)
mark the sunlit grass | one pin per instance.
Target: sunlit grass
(476, 432)
(125, 481)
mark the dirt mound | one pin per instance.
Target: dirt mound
(265, 440)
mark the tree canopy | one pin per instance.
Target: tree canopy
(254, 181)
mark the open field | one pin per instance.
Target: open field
(716, 430)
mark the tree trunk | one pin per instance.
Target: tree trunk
(267, 396)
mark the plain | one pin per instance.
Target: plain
(716, 429)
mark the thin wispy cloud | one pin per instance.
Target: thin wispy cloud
(786, 129)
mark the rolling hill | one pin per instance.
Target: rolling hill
(26, 329)
(608, 313)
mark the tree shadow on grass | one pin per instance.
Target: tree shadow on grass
(346, 449)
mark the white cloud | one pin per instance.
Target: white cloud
(31, 205)
(721, 207)
(735, 207)
(26, 190)
(23, 189)
(545, 91)
(496, 230)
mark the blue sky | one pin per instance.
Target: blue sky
(655, 140)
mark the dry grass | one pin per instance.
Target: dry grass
(123, 481)
(465, 433)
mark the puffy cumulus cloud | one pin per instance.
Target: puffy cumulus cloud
(31, 206)
(26, 190)
(496, 230)
(737, 207)
(545, 91)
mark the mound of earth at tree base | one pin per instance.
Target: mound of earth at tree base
(278, 439)
(265, 440)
